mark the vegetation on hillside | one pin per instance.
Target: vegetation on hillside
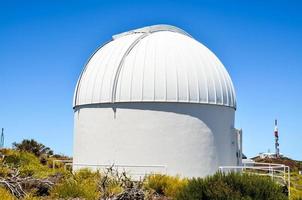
(295, 167)
(293, 164)
(232, 186)
(27, 173)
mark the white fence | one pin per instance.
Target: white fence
(278, 172)
(133, 170)
(66, 163)
(136, 171)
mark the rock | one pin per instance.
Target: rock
(131, 194)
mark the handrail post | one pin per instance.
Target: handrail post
(284, 171)
(53, 164)
(288, 180)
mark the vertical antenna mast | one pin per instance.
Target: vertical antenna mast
(2, 139)
(276, 139)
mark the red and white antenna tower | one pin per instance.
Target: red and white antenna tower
(276, 139)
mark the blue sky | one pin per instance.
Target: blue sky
(45, 44)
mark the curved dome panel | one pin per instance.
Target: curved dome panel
(154, 64)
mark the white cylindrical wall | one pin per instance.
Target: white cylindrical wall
(190, 140)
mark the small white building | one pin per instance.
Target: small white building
(155, 100)
(269, 155)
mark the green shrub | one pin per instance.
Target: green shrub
(296, 183)
(5, 194)
(86, 174)
(29, 165)
(31, 196)
(232, 186)
(83, 184)
(296, 194)
(4, 171)
(33, 147)
(164, 184)
(71, 188)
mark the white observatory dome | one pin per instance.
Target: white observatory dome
(159, 63)
(155, 100)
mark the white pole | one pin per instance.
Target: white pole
(288, 181)
(284, 171)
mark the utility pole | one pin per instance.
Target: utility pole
(277, 151)
(2, 139)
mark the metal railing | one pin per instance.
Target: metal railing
(278, 172)
(64, 162)
(145, 169)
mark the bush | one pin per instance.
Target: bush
(27, 163)
(165, 185)
(6, 195)
(4, 171)
(232, 186)
(33, 147)
(83, 184)
(31, 196)
(296, 183)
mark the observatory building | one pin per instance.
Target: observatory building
(155, 100)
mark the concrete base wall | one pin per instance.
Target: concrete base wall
(190, 140)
